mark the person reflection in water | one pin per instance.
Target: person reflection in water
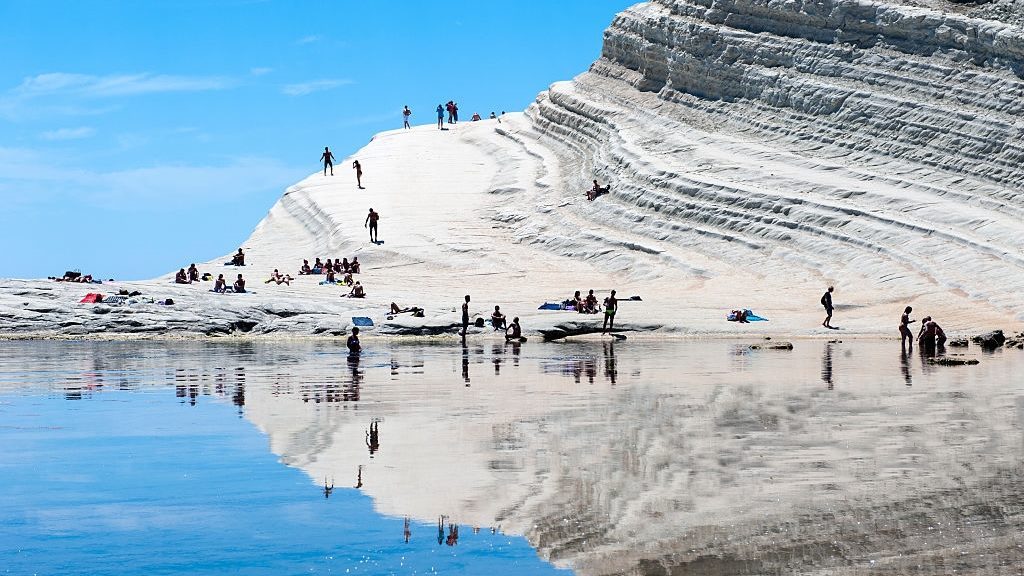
(373, 439)
(610, 371)
(905, 366)
(440, 530)
(453, 535)
(465, 362)
(359, 477)
(406, 532)
(826, 366)
(328, 489)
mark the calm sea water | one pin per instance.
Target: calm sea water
(627, 457)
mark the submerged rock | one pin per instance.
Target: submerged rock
(772, 346)
(990, 340)
(960, 342)
(953, 361)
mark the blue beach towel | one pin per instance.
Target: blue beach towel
(362, 321)
(550, 306)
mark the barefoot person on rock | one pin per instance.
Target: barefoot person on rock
(371, 221)
(826, 301)
(611, 306)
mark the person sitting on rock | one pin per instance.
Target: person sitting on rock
(590, 304)
(354, 266)
(338, 266)
(193, 273)
(357, 291)
(239, 285)
(345, 266)
(476, 117)
(347, 279)
(577, 302)
(318, 267)
(596, 191)
(498, 319)
(220, 285)
(181, 277)
(329, 267)
(514, 330)
(238, 259)
(305, 270)
(330, 276)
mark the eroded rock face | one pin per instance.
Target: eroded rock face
(874, 143)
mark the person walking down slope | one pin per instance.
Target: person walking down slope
(440, 117)
(405, 117)
(359, 173)
(371, 221)
(826, 301)
(611, 306)
(328, 159)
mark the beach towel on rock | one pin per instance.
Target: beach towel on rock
(751, 317)
(361, 321)
(550, 306)
(92, 298)
(115, 300)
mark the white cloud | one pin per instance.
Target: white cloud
(61, 83)
(260, 71)
(308, 39)
(304, 88)
(68, 133)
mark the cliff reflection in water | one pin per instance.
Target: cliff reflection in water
(652, 457)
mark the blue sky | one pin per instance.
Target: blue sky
(136, 137)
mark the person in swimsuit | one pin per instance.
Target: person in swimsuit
(221, 285)
(181, 277)
(498, 319)
(328, 159)
(611, 306)
(826, 301)
(359, 173)
(465, 316)
(353, 343)
(239, 285)
(514, 331)
(405, 117)
(590, 303)
(905, 333)
(371, 221)
(193, 274)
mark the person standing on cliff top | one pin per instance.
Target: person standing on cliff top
(826, 301)
(440, 117)
(371, 221)
(359, 173)
(328, 159)
(405, 117)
